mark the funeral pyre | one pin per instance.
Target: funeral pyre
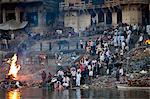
(11, 80)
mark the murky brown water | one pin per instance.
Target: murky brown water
(36, 93)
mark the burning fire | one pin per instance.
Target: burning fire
(14, 68)
(15, 94)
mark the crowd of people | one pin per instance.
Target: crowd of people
(103, 56)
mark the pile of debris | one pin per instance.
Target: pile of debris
(139, 54)
(104, 82)
(139, 58)
(139, 79)
(139, 82)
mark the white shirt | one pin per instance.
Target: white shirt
(102, 57)
(91, 73)
(81, 42)
(121, 71)
(73, 73)
(134, 27)
(122, 38)
(105, 44)
(79, 70)
(78, 76)
(86, 63)
(115, 40)
(141, 38)
(119, 40)
(108, 53)
(129, 32)
(121, 52)
(123, 45)
(66, 80)
(128, 38)
(128, 27)
(61, 73)
(89, 67)
(94, 61)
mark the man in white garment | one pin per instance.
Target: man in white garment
(78, 79)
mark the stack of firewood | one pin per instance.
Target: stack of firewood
(139, 83)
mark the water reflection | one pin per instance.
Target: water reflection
(13, 94)
(78, 93)
(37, 93)
(44, 93)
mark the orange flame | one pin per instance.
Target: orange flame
(15, 94)
(14, 68)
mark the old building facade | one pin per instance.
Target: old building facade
(80, 14)
(40, 14)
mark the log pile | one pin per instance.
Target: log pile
(139, 54)
(139, 82)
(9, 83)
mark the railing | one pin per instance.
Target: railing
(66, 6)
(9, 1)
(83, 5)
(126, 1)
(133, 1)
(76, 6)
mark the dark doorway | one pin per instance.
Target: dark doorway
(10, 16)
(145, 15)
(119, 16)
(108, 17)
(100, 17)
(22, 16)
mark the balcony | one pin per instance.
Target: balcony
(14, 1)
(76, 6)
(134, 1)
(108, 3)
(126, 1)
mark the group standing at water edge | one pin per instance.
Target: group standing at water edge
(103, 56)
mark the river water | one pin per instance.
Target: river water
(37, 93)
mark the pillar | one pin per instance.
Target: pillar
(0, 15)
(4, 15)
(78, 24)
(41, 46)
(114, 18)
(17, 14)
(41, 25)
(41, 17)
(105, 17)
(96, 17)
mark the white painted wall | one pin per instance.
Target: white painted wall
(71, 20)
(114, 18)
(132, 15)
(84, 21)
(79, 23)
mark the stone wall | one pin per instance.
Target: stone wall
(78, 22)
(71, 20)
(84, 21)
(41, 28)
(131, 14)
(114, 18)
